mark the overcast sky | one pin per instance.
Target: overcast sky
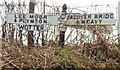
(82, 2)
(73, 2)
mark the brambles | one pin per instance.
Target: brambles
(85, 56)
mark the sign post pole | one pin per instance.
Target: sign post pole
(30, 33)
(43, 42)
(62, 27)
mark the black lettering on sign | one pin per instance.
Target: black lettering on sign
(77, 21)
(32, 21)
(38, 28)
(20, 20)
(45, 21)
(27, 21)
(30, 26)
(71, 17)
(25, 26)
(88, 21)
(82, 21)
(31, 16)
(36, 16)
(40, 21)
(74, 16)
(96, 21)
(15, 16)
(20, 15)
(84, 16)
(34, 26)
(100, 21)
(40, 16)
(20, 27)
(15, 20)
(68, 17)
(92, 21)
(95, 16)
(100, 15)
(89, 16)
(78, 16)
(111, 15)
(42, 26)
(36, 21)
(45, 16)
(107, 16)
(81, 17)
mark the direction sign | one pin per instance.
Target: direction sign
(90, 19)
(31, 21)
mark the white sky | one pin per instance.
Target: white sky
(73, 2)
(82, 2)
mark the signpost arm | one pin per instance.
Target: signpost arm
(30, 33)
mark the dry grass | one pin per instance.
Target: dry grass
(84, 56)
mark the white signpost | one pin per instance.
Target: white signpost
(31, 21)
(90, 19)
